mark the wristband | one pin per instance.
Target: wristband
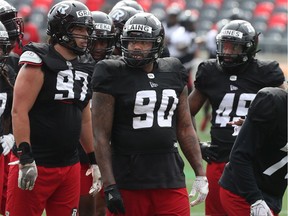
(92, 158)
(24, 153)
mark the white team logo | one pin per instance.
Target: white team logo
(62, 9)
(117, 14)
(233, 78)
(151, 75)
(153, 84)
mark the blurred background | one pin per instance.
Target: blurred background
(202, 19)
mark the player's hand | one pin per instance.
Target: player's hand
(27, 176)
(209, 152)
(260, 208)
(199, 186)
(114, 200)
(7, 142)
(97, 182)
(238, 122)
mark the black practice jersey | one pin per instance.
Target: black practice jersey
(55, 118)
(258, 161)
(143, 139)
(7, 80)
(13, 60)
(230, 95)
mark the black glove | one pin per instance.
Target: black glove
(209, 152)
(114, 200)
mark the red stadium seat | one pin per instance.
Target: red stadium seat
(94, 5)
(46, 4)
(264, 8)
(277, 19)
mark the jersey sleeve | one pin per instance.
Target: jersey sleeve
(30, 57)
(200, 77)
(262, 109)
(274, 75)
(103, 79)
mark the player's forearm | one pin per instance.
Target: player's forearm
(21, 127)
(104, 160)
(191, 149)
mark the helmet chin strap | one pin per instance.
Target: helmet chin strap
(71, 45)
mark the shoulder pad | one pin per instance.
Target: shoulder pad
(30, 57)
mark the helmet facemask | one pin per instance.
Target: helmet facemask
(68, 39)
(140, 58)
(4, 48)
(142, 27)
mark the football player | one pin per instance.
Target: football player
(103, 40)
(255, 179)
(50, 114)
(139, 114)
(230, 83)
(120, 15)
(15, 28)
(7, 79)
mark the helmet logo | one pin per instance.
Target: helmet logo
(62, 9)
(117, 14)
(138, 27)
(159, 39)
(83, 13)
(232, 33)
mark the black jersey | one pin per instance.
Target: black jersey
(55, 118)
(13, 60)
(7, 79)
(258, 161)
(143, 139)
(230, 95)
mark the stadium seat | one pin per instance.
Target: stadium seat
(247, 5)
(264, 8)
(195, 4)
(277, 19)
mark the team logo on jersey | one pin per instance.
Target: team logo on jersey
(139, 27)
(233, 88)
(83, 13)
(233, 78)
(151, 75)
(102, 26)
(153, 85)
(232, 33)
